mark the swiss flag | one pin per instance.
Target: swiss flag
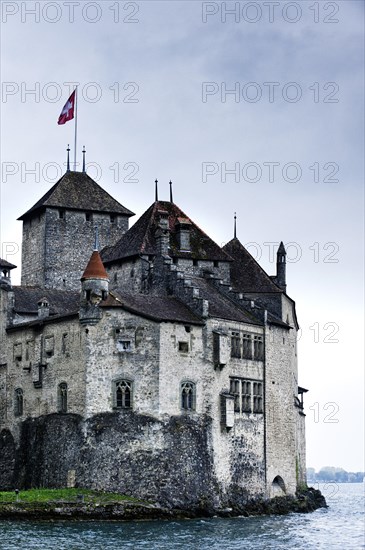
(67, 112)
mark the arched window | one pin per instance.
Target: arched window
(19, 402)
(62, 397)
(188, 396)
(123, 394)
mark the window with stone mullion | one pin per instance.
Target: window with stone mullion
(235, 345)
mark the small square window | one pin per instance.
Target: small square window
(112, 218)
(216, 264)
(184, 347)
(124, 345)
(61, 214)
(88, 216)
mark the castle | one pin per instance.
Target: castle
(148, 361)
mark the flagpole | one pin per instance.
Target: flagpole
(75, 129)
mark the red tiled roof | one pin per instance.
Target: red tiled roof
(95, 268)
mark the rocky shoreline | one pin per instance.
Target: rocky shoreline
(304, 502)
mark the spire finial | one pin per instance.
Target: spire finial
(235, 226)
(170, 183)
(68, 157)
(96, 245)
(83, 159)
(156, 190)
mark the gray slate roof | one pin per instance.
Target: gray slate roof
(220, 306)
(61, 302)
(77, 191)
(157, 308)
(140, 238)
(246, 274)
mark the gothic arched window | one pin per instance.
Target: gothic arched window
(123, 390)
(188, 396)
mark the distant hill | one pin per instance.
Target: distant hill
(330, 473)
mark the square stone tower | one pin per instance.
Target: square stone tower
(58, 231)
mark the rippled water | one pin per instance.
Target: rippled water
(339, 527)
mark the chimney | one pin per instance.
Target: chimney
(162, 233)
(43, 308)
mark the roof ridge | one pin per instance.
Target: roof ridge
(78, 191)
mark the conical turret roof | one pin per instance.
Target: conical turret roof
(95, 268)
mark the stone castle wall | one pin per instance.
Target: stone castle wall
(39, 358)
(33, 251)
(56, 250)
(281, 413)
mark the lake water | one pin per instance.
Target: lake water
(341, 527)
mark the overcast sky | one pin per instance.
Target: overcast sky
(259, 111)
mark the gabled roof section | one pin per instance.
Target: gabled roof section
(77, 191)
(61, 302)
(140, 238)
(246, 274)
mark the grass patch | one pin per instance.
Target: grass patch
(64, 495)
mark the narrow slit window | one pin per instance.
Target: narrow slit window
(19, 402)
(62, 397)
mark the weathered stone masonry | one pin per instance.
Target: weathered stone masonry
(168, 373)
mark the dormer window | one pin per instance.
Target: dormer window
(183, 234)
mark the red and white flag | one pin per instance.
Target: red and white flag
(68, 110)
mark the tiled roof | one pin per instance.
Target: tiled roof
(60, 302)
(8, 265)
(95, 268)
(77, 191)
(158, 308)
(246, 274)
(140, 239)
